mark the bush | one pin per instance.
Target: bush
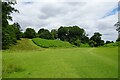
(116, 44)
(77, 43)
(92, 43)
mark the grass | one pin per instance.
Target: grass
(116, 44)
(0, 64)
(31, 61)
(51, 43)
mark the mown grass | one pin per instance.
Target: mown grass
(37, 62)
(51, 43)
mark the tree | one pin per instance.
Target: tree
(73, 34)
(118, 29)
(8, 31)
(17, 30)
(97, 38)
(107, 42)
(85, 39)
(54, 33)
(30, 33)
(92, 43)
(63, 33)
(45, 34)
(77, 43)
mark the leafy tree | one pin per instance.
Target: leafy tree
(118, 29)
(8, 31)
(107, 42)
(73, 35)
(7, 9)
(54, 33)
(45, 34)
(62, 33)
(17, 30)
(30, 33)
(85, 39)
(77, 43)
(97, 38)
(92, 43)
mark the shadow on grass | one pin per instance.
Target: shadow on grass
(11, 68)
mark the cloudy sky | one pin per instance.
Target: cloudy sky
(92, 15)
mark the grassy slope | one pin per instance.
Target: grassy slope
(116, 44)
(33, 62)
(51, 43)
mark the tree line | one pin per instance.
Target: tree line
(73, 34)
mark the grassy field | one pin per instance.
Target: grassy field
(51, 43)
(26, 60)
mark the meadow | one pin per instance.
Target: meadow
(27, 60)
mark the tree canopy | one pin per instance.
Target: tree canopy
(118, 29)
(95, 40)
(10, 33)
(44, 33)
(30, 33)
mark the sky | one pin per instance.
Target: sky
(91, 15)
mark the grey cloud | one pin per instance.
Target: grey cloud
(51, 11)
(26, 3)
(54, 15)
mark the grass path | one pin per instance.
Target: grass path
(31, 61)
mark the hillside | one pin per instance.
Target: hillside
(24, 44)
(116, 44)
(51, 43)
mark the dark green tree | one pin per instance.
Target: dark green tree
(118, 29)
(73, 34)
(107, 42)
(54, 33)
(30, 33)
(97, 38)
(92, 43)
(17, 30)
(63, 33)
(45, 34)
(8, 31)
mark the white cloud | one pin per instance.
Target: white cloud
(52, 14)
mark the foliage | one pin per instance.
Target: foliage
(117, 26)
(92, 43)
(51, 43)
(84, 45)
(54, 33)
(77, 42)
(107, 42)
(18, 30)
(72, 34)
(30, 33)
(116, 44)
(118, 39)
(96, 40)
(45, 34)
(10, 33)
(118, 29)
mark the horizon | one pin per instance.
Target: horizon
(92, 17)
